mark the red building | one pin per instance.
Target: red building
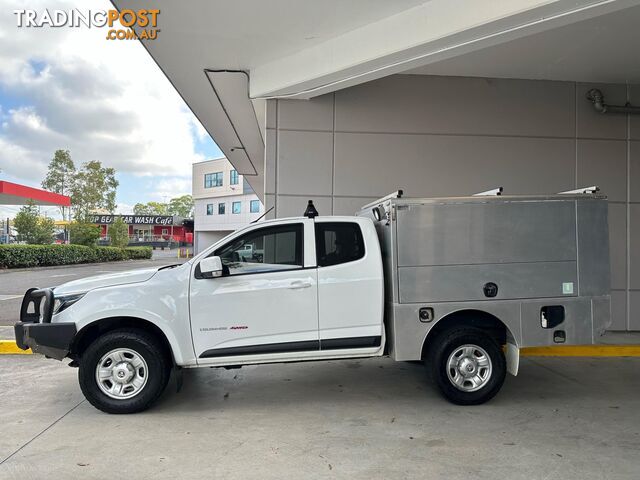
(155, 230)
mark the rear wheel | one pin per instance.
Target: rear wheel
(124, 371)
(467, 365)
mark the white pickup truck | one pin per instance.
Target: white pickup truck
(456, 280)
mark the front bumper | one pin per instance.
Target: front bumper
(35, 330)
(51, 339)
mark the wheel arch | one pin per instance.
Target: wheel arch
(475, 318)
(87, 334)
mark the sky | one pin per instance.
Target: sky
(70, 88)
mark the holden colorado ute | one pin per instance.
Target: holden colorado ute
(459, 283)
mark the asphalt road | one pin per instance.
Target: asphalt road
(14, 283)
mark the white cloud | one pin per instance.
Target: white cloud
(167, 188)
(124, 209)
(102, 100)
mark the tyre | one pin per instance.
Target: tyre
(467, 365)
(124, 371)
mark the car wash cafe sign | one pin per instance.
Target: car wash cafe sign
(133, 219)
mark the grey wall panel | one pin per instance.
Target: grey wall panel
(634, 310)
(634, 120)
(618, 310)
(314, 114)
(270, 161)
(304, 162)
(269, 201)
(457, 105)
(271, 114)
(292, 206)
(591, 124)
(634, 171)
(634, 250)
(442, 165)
(604, 163)
(458, 283)
(350, 205)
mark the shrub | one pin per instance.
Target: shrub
(119, 233)
(82, 233)
(31, 227)
(18, 256)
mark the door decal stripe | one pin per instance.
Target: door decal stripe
(351, 342)
(304, 346)
(289, 347)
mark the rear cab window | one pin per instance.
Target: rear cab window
(338, 243)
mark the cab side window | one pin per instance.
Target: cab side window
(338, 242)
(269, 249)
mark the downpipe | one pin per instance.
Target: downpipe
(595, 96)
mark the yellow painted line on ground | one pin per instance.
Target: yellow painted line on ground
(582, 351)
(9, 347)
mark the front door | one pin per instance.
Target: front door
(265, 303)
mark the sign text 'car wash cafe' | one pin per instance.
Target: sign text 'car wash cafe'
(149, 229)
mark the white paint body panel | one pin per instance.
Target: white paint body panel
(351, 295)
(255, 309)
(276, 307)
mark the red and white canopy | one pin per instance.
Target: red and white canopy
(14, 194)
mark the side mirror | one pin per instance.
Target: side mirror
(211, 267)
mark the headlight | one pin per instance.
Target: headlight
(65, 301)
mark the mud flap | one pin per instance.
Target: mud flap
(513, 359)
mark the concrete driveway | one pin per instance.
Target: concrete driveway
(561, 418)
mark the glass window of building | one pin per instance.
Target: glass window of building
(233, 177)
(209, 208)
(221, 207)
(236, 207)
(213, 180)
(254, 206)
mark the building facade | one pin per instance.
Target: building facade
(224, 202)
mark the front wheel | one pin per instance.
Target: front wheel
(468, 366)
(124, 371)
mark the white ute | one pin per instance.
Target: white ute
(319, 288)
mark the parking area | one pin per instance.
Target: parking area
(561, 418)
(13, 283)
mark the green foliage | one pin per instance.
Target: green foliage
(119, 233)
(83, 233)
(60, 176)
(31, 227)
(94, 188)
(179, 206)
(182, 206)
(151, 208)
(19, 256)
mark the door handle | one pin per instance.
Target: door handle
(299, 284)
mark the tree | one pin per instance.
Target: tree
(60, 176)
(94, 188)
(119, 233)
(151, 208)
(31, 227)
(181, 206)
(84, 233)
